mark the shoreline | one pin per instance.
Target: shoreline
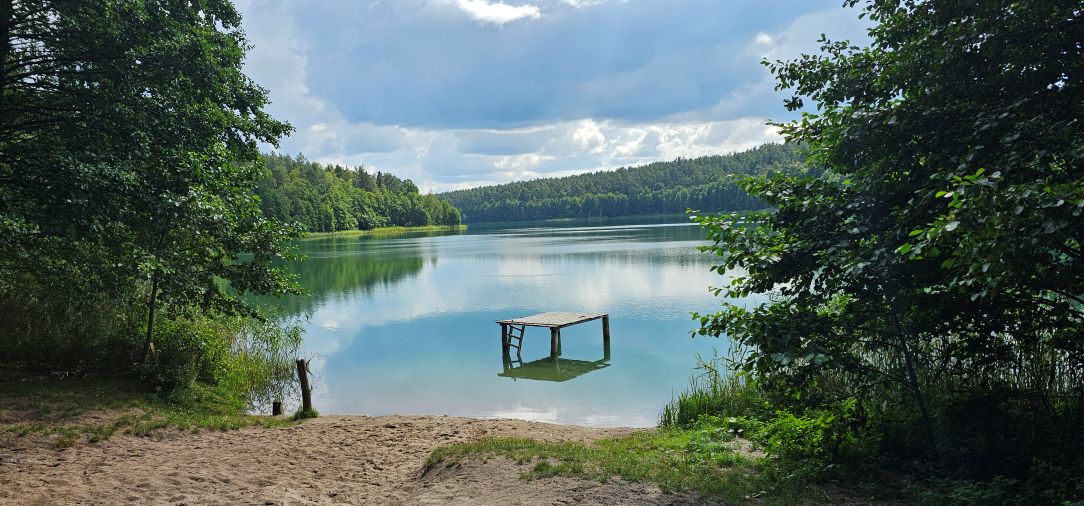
(333, 459)
(627, 219)
(383, 231)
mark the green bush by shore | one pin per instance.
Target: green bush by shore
(244, 360)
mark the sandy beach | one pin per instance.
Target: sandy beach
(329, 460)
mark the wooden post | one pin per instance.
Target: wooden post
(606, 330)
(555, 340)
(303, 377)
(276, 408)
(606, 350)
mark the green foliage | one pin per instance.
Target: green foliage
(941, 491)
(251, 357)
(130, 134)
(334, 198)
(130, 141)
(813, 439)
(804, 444)
(936, 278)
(55, 325)
(709, 183)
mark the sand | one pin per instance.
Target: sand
(329, 460)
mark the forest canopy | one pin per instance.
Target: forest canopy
(710, 183)
(332, 198)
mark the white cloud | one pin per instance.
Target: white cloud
(521, 162)
(440, 158)
(498, 12)
(588, 136)
(579, 4)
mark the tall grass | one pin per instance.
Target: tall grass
(251, 357)
(716, 390)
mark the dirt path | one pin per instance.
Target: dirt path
(329, 460)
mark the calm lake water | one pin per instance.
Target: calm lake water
(406, 325)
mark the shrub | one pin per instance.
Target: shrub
(250, 356)
(813, 440)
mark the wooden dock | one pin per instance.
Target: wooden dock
(513, 329)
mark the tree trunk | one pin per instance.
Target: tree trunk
(7, 11)
(912, 378)
(151, 305)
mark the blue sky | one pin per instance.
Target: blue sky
(460, 93)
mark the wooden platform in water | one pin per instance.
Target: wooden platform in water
(553, 319)
(513, 329)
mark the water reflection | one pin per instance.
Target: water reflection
(553, 367)
(405, 325)
(337, 269)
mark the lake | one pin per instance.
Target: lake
(406, 325)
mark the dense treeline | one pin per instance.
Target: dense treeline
(129, 231)
(707, 183)
(333, 198)
(926, 307)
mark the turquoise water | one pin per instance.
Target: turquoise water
(406, 325)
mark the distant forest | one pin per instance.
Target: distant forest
(333, 197)
(706, 184)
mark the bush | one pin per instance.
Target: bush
(813, 440)
(180, 350)
(64, 329)
(250, 356)
(58, 327)
(806, 441)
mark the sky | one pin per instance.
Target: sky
(461, 93)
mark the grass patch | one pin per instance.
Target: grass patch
(384, 231)
(303, 414)
(703, 461)
(53, 408)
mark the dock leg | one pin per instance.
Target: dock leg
(606, 331)
(555, 341)
(606, 350)
(506, 339)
